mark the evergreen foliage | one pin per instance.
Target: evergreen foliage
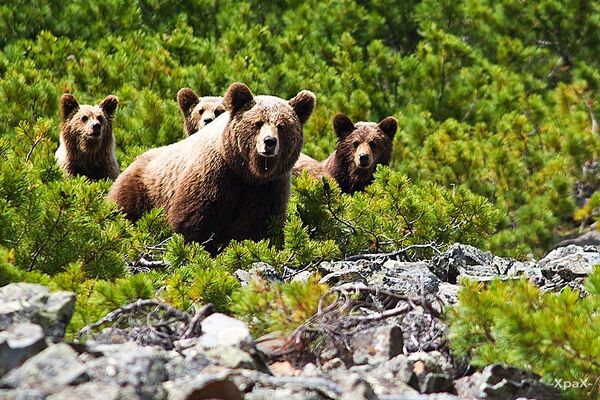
(555, 335)
(495, 102)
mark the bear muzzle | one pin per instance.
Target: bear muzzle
(267, 144)
(363, 158)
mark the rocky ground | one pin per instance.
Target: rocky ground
(393, 346)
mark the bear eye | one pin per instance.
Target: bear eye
(200, 111)
(355, 143)
(100, 118)
(218, 112)
(280, 127)
(84, 118)
(258, 124)
(372, 144)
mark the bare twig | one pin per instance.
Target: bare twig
(393, 254)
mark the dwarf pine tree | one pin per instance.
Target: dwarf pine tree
(495, 103)
(556, 335)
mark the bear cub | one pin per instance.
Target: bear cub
(198, 111)
(87, 144)
(229, 182)
(360, 148)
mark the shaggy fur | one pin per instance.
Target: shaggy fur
(228, 182)
(87, 144)
(198, 111)
(360, 148)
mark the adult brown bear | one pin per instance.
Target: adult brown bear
(228, 182)
(87, 144)
(360, 148)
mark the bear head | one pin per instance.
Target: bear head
(198, 111)
(364, 145)
(264, 135)
(87, 128)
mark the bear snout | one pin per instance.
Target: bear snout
(207, 121)
(267, 144)
(270, 142)
(96, 128)
(363, 160)
(363, 157)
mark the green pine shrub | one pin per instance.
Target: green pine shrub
(277, 307)
(556, 335)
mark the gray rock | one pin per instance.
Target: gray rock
(502, 382)
(129, 365)
(303, 276)
(354, 387)
(283, 394)
(235, 358)
(217, 386)
(409, 278)
(472, 263)
(96, 391)
(49, 371)
(26, 302)
(436, 383)
(376, 345)
(570, 262)
(18, 343)
(394, 377)
(338, 272)
(21, 394)
(448, 293)
(258, 270)
(221, 330)
(591, 238)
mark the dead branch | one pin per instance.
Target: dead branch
(393, 254)
(148, 322)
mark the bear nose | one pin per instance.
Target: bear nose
(208, 120)
(363, 159)
(96, 128)
(270, 142)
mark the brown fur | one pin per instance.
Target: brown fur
(85, 150)
(372, 141)
(220, 185)
(198, 111)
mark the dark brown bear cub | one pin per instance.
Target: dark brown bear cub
(228, 182)
(198, 111)
(87, 145)
(360, 148)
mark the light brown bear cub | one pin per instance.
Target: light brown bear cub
(87, 144)
(228, 182)
(198, 111)
(360, 148)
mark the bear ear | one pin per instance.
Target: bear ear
(303, 104)
(238, 97)
(389, 126)
(68, 106)
(109, 105)
(342, 125)
(187, 100)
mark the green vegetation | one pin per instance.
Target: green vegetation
(495, 101)
(554, 335)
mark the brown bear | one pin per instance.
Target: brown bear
(360, 148)
(198, 111)
(87, 144)
(228, 182)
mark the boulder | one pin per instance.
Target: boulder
(376, 345)
(27, 302)
(48, 372)
(18, 343)
(498, 381)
